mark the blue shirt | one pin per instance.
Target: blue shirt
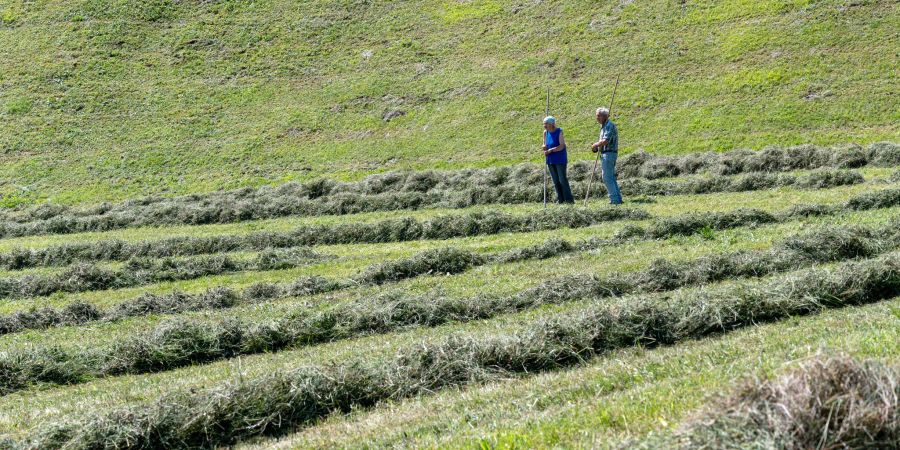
(551, 139)
(609, 132)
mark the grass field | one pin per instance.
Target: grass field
(317, 224)
(113, 99)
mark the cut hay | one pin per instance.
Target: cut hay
(83, 277)
(180, 342)
(832, 403)
(415, 190)
(273, 404)
(388, 230)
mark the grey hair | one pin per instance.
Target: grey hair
(603, 110)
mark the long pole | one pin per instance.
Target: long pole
(543, 141)
(599, 151)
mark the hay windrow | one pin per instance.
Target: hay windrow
(179, 342)
(692, 223)
(826, 402)
(829, 178)
(389, 230)
(83, 277)
(72, 314)
(392, 271)
(273, 404)
(771, 159)
(820, 179)
(874, 200)
(688, 224)
(458, 189)
(442, 261)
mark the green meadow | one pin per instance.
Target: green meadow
(620, 332)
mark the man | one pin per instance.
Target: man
(555, 152)
(608, 146)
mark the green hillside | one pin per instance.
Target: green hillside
(106, 100)
(220, 226)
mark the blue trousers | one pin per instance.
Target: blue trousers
(608, 166)
(561, 183)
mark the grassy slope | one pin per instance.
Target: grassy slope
(110, 99)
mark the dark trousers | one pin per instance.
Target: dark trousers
(561, 183)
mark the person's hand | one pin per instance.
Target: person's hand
(544, 147)
(546, 152)
(595, 147)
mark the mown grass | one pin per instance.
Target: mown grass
(769, 200)
(44, 404)
(84, 277)
(495, 278)
(707, 223)
(121, 390)
(386, 230)
(449, 261)
(417, 190)
(616, 399)
(391, 230)
(834, 401)
(107, 101)
(519, 274)
(350, 261)
(502, 279)
(178, 343)
(303, 396)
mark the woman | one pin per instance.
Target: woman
(555, 151)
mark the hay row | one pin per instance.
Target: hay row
(277, 403)
(416, 190)
(428, 262)
(389, 230)
(431, 262)
(180, 342)
(826, 402)
(635, 165)
(84, 277)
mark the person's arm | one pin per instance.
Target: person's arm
(604, 139)
(562, 143)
